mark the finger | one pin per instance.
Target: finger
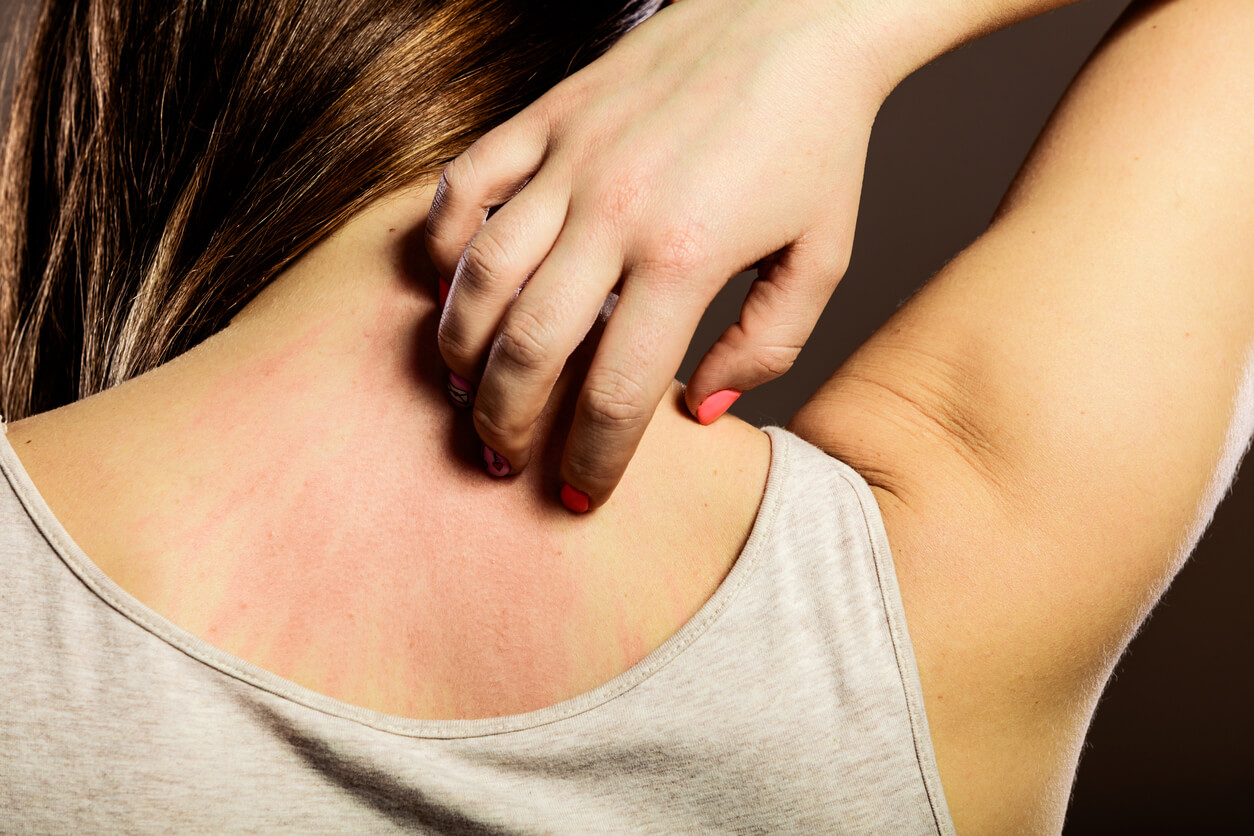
(541, 329)
(486, 174)
(778, 315)
(635, 362)
(500, 257)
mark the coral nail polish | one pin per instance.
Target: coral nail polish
(575, 499)
(715, 405)
(496, 464)
(460, 390)
(443, 292)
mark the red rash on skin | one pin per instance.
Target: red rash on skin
(632, 643)
(332, 561)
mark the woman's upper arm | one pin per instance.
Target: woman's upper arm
(1051, 421)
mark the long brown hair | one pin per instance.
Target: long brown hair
(165, 159)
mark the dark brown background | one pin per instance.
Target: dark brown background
(1171, 744)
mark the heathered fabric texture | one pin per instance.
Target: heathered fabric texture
(789, 704)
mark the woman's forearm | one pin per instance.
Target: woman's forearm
(904, 35)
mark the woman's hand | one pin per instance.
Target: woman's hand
(716, 135)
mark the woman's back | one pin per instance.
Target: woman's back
(297, 491)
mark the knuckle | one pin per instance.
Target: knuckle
(490, 423)
(585, 465)
(482, 263)
(679, 249)
(459, 174)
(775, 360)
(622, 195)
(453, 343)
(567, 96)
(614, 402)
(523, 341)
(826, 256)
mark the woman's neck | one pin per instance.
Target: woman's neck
(298, 490)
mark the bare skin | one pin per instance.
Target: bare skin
(1047, 426)
(299, 491)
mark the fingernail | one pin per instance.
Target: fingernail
(460, 390)
(574, 499)
(715, 405)
(443, 292)
(496, 464)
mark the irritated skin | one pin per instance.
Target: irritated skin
(297, 491)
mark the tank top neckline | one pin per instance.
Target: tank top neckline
(129, 607)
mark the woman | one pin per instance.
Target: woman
(253, 583)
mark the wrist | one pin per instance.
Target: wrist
(900, 36)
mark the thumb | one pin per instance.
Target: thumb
(777, 317)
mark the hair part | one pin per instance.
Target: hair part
(166, 159)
